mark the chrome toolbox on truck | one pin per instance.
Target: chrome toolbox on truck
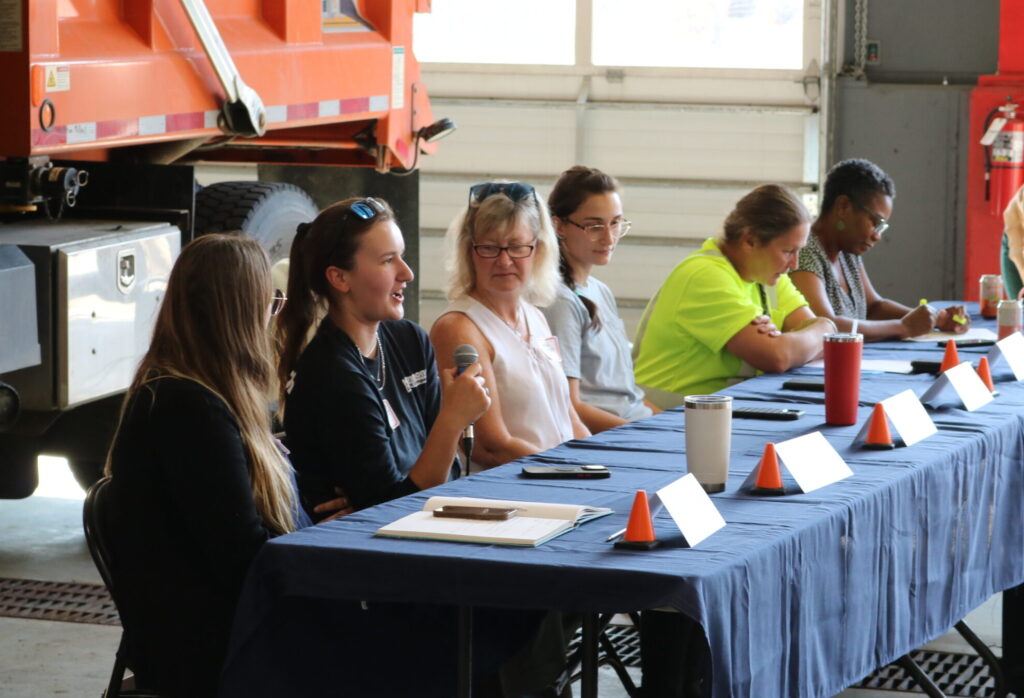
(103, 281)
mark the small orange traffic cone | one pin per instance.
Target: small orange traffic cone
(769, 478)
(986, 375)
(640, 530)
(951, 358)
(879, 438)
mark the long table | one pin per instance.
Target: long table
(800, 595)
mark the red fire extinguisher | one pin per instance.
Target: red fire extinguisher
(1004, 156)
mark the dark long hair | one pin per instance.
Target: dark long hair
(331, 240)
(573, 187)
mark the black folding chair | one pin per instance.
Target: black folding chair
(609, 655)
(93, 520)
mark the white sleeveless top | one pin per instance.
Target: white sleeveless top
(532, 386)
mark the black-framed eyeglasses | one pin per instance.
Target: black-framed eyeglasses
(596, 231)
(277, 301)
(367, 208)
(514, 251)
(517, 191)
(881, 224)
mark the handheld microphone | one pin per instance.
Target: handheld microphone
(465, 356)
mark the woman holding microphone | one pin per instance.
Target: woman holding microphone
(362, 399)
(729, 310)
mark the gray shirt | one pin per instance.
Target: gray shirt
(600, 358)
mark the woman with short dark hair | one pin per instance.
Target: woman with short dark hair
(855, 212)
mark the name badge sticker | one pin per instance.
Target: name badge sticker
(549, 347)
(392, 417)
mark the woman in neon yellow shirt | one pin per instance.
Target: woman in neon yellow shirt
(729, 310)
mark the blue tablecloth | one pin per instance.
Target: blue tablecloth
(800, 595)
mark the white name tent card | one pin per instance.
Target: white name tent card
(908, 417)
(971, 390)
(1010, 348)
(691, 509)
(812, 461)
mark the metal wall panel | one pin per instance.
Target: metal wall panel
(917, 134)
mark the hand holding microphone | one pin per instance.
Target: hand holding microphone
(467, 393)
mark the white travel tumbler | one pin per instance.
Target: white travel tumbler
(708, 439)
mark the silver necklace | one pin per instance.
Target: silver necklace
(382, 368)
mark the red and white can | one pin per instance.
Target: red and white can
(991, 294)
(1009, 316)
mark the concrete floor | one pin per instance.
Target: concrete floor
(41, 538)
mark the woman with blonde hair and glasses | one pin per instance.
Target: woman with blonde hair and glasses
(586, 207)
(363, 407)
(503, 263)
(198, 483)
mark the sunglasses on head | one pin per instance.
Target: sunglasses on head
(517, 191)
(367, 208)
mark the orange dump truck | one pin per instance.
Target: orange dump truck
(106, 107)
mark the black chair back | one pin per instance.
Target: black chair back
(95, 532)
(94, 513)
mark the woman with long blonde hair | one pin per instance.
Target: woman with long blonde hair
(198, 483)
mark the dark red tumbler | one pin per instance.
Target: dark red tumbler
(842, 377)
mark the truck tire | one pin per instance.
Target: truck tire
(19, 472)
(268, 212)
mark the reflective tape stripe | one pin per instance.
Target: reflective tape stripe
(277, 113)
(159, 124)
(81, 133)
(152, 125)
(299, 112)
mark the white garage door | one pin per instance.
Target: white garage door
(689, 103)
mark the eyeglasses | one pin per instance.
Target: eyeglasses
(881, 224)
(367, 208)
(277, 301)
(596, 231)
(517, 191)
(514, 251)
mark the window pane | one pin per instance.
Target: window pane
(699, 33)
(482, 31)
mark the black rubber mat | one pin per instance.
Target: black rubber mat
(625, 639)
(955, 674)
(958, 675)
(62, 601)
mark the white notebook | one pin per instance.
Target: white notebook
(534, 522)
